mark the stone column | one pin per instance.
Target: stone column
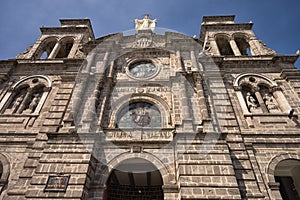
(55, 51)
(260, 100)
(186, 117)
(254, 46)
(42, 100)
(201, 98)
(274, 190)
(90, 61)
(4, 101)
(240, 96)
(281, 100)
(184, 99)
(234, 47)
(25, 101)
(197, 65)
(102, 65)
(171, 192)
(215, 47)
(178, 56)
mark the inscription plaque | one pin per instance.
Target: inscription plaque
(136, 135)
(57, 183)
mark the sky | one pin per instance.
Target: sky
(276, 22)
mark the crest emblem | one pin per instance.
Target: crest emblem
(143, 42)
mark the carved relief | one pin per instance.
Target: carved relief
(270, 102)
(15, 104)
(259, 94)
(25, 101)
(143, 42)
(252, 103)
(138, 115)
(26, 96)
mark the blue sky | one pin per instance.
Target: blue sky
(276, 22)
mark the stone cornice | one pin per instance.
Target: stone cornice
(231, 27)
(290, 74)
(286, 58)
(67, 29)
(50, 61)
(8, 62)
(264, 60)
(226, 27)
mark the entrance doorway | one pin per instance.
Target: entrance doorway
(135, 179)
(287, 174)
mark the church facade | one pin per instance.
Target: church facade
(150, 114)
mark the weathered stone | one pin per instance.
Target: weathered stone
(149, 116)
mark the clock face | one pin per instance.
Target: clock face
(142, 69)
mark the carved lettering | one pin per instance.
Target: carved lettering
(118, 135)
(145, 89)
(158, 135)
(142, 135)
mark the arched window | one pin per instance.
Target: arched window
(259, 94)
(26, 96)
(243, 46)
(139, 115)
(51, 48)
(65, 48)
(224, 46)
(45, 49)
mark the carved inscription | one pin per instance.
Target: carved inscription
(161, 135)
(118, 135)
(139, 135)
(144, 89)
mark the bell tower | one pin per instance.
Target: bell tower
(221, 36)
(61, 42)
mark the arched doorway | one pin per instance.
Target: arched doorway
(134, 179)
(287, 175)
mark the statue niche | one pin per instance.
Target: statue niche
(269, 99)
(251, 100)
(25, 100)
(16, 101)
(260, 101)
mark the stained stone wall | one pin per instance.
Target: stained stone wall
(211, 144)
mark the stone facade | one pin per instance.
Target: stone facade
(150, 115)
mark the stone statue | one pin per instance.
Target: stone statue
(270, 102)
(34, 103)
(145, 24)
(17, 103)
(251, 102)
